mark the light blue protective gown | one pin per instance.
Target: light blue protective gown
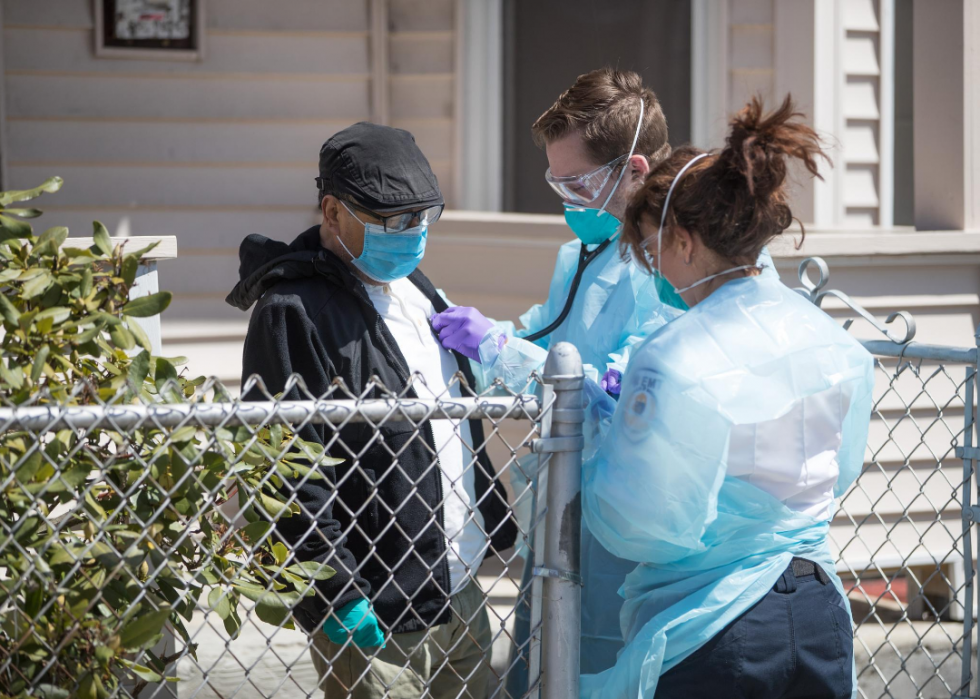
(656, 490)
(616, 308)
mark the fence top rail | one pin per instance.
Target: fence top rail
(336, 412)
(916, 350)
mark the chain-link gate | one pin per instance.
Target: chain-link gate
(153, 541)
(179, 541)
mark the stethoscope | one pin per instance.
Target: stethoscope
(585, 257)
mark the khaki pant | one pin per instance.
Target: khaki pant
(451, 661)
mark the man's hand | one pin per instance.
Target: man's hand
(356, 621)
(461, 328)
(611, 382)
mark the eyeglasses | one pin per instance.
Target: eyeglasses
(583, 189)
(399, 223)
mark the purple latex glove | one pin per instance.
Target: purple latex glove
(461, 328)
(611, 382)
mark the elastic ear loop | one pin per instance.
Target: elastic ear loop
(663, 214)
(636, 139)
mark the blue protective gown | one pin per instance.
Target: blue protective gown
(616, 308)
(656, 491)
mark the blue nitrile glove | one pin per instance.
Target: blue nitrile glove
(356, 621)
(461, 328)
(611, 382)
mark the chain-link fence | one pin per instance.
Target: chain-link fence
(904, 532)
(906, 552)
(209, 542)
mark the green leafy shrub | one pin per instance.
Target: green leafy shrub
(108, 536)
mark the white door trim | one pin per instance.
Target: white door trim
(478, 152)
(709, 72)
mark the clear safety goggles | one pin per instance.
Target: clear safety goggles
(583, 189)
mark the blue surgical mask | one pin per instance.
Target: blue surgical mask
(667, 293)
(594, 226)
(388, 256)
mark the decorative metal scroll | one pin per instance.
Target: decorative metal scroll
(815, 293)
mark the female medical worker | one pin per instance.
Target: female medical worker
(737, 426)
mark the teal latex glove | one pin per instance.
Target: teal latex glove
(356, 621)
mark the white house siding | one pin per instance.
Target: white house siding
(213, 150)
(836, 58)
(751, 59)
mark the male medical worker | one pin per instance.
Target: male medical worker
(602, 136)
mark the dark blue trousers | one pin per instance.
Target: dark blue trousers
(795, 643)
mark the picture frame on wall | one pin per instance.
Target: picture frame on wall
(153, 29)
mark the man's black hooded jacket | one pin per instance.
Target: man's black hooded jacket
(314, 318)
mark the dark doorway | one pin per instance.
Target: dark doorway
(548, 43)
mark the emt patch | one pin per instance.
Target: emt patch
(640, 405)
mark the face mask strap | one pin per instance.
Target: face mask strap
(663, 214)
(715, 276)
(636, 138)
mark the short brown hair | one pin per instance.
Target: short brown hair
(605, 106)
(735, 199)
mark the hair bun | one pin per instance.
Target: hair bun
(759, 144)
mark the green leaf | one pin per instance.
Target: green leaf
(122, 338)
(85, 288)
(220, 601)
(280, 551)
(142, 339)
(142, 631)
(30, 466)
(14, 377)
(39, 359)
(100, 236)
(87, 335)
(139, 368)
(50, 185)
(87, 687)
(273, 507)
(165, 371)
(15, 227)
(146, 306)
(8, 310)
(255, 531)
(142, 251)
(23, 213)
(104, 654)
(52, 239)
(49, 691)
(57, 314)
(233, 624)
(141, 671)
(129, 266)
(37, 285)
(274, 607)
(311, 570)
(183, 434)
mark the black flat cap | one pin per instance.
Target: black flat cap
(379, 167)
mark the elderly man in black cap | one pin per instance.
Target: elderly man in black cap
(410, 514)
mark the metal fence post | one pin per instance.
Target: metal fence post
(562, 594)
